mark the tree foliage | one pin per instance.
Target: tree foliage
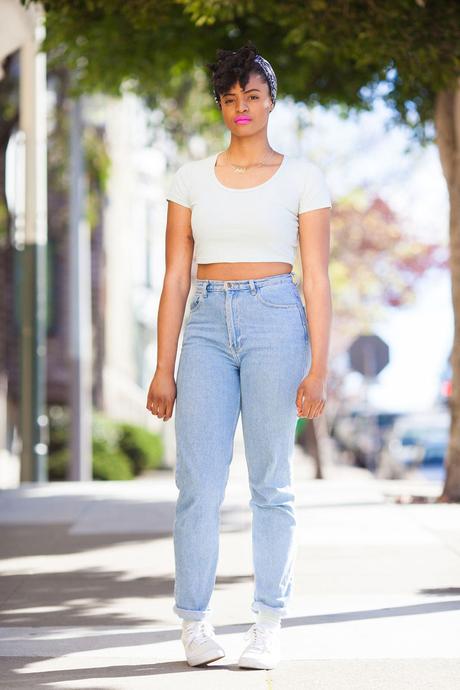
(332, 53)
(374, 265)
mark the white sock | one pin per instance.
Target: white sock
(268, 618)
(206, 617)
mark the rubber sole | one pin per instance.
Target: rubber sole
(252, 663)
(204, 661)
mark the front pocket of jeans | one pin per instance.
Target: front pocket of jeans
(196, 301)
(278, 296)
(303, 318)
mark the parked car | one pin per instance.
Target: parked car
(360, 434)
(417, 441)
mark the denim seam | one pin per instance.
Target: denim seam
(196, 301)
(303, 319)
(271, 304)
(219, 285)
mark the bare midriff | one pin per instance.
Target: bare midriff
(243, 270)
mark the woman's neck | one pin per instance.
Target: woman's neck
(245, 151)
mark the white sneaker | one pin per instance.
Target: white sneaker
(264, 648)
(200, 643)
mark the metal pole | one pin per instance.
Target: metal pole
(80, 325)
(32, 121)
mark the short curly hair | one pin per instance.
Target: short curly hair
(234, 66)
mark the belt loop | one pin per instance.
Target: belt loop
(293, 277)
(253, 287)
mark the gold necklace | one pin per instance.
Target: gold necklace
(242, 168)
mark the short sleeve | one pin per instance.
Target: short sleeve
(315, 193)
(178, 189)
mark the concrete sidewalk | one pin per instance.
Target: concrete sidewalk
(88, 575)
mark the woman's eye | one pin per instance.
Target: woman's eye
(231, 101)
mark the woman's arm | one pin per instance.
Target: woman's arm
(314, 244)
(176, 287)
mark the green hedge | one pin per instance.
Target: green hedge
(111, 465)
(120, 450)
(106, 464)
(300, 428)
(144, 449)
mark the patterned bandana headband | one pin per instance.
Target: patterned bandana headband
(269, 73)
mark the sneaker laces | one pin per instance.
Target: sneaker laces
(260, 636)
(200, 631)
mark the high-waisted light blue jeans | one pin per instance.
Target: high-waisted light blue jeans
(245, 348)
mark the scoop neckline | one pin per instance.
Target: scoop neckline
(244, 189)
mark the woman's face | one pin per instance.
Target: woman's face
(245, 111)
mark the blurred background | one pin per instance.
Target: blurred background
(101, 102)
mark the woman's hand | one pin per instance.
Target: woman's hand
(311, 396)
(161, 395)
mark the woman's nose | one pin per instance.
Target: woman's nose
(242, 105)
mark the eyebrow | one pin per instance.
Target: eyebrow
(231, 93)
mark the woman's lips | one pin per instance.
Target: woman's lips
(243, 120)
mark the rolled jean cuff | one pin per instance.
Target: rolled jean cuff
(190, 614)
(281, 611)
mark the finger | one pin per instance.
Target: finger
(311, 410)
(161, 411)
(321, 407)
(301, 407)
(170, 409)
(299, 399)
(304, 407)
(316, 409)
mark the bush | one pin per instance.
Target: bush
(120, 450)
(111, 465)
(108, 464)
(58, 462)
(58, 428)
(144, 449)
(300, 429)
(105, 430)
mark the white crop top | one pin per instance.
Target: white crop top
(254, 224)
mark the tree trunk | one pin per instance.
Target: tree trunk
(447, 123)
(9, 120)
(309, 441)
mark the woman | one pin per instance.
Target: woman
(247, 347)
